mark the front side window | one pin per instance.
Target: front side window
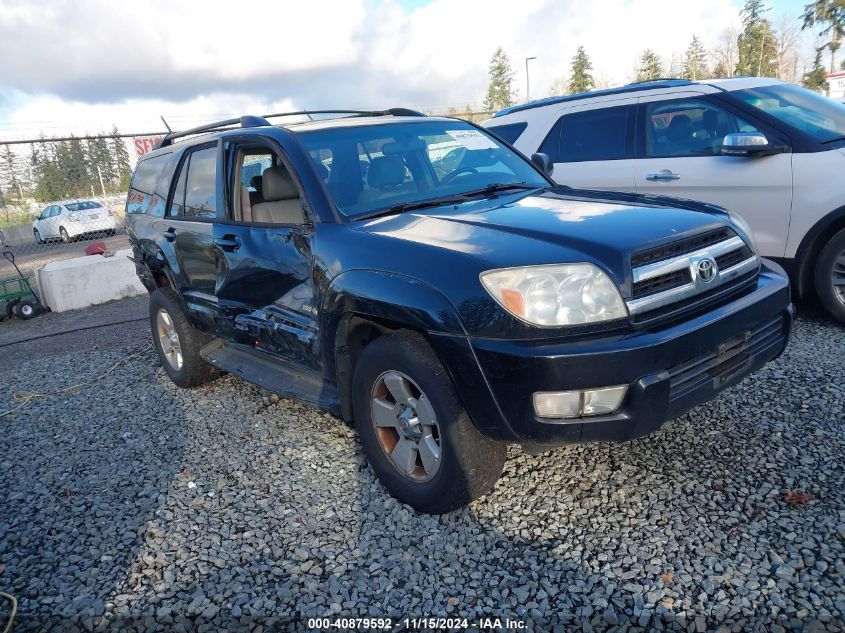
(812, 113)
(689, 127)
(590, 135)
(373, 167)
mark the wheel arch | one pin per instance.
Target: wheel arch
(810, 247)
(362, 305)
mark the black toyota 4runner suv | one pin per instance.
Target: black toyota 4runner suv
(421, 277)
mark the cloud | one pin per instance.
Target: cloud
(73, 57)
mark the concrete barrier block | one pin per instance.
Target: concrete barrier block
(86, 281)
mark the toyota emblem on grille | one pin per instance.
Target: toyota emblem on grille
(706, 269)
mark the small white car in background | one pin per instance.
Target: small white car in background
(70, 220)
(769, 152)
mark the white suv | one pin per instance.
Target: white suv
(771, 152)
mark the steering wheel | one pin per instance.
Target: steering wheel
(457, 172)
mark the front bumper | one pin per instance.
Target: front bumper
(668, 371)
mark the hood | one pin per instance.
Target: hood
(556, 226)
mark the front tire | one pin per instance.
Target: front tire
(177, 343)
(417, 437)
(830, 276)
(37, 236)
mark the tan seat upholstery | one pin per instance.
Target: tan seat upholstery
(385, 178)
(246, 206)
(281, 199)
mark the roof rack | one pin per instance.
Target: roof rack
(645, 85)
(657, 80)
(249, 121)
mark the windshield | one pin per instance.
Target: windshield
(82, 206)
(810, 112)
(372, 167)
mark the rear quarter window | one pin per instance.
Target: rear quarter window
(142, 196)
(590, 135)
(509, 132)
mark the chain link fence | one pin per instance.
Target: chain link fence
(61, 196)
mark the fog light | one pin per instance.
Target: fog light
(557, 404)
(575, 404)
(605, 400)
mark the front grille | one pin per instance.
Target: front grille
(669, 287)
(698, 304)
(721, 364)
(734, 257)
(661, 283)
(694, 243)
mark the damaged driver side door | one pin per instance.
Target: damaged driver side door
(263, 254)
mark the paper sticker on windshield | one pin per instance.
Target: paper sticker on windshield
(472, 139)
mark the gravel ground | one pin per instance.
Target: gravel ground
(130, 504)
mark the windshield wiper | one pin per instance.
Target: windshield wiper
(445, 200)
(410, 206)
(500, 186)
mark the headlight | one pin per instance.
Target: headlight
(746, 228)
(556, 294)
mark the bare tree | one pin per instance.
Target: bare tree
(788, 51)
(559, 87)
(726, 54)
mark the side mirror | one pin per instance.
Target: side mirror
(543, 163)
(746, 144)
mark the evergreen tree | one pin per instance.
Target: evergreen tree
(814, 80)
(695, 60)
(500, 93)
(830, 15)
(581, 76)
(757, 44)
(650, 66)
(9, 173)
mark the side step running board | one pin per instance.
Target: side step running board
(279, 376)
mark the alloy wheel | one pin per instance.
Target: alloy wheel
(406, 426)
(837, 277)
(168, 338)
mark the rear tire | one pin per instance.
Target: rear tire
(830, 276)
(177, 343)
(453, 463)
(10, 308)
(63, 235)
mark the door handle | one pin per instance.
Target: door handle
(169, 234)
(228, 242)
(663, 175)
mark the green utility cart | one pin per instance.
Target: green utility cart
(17, 299)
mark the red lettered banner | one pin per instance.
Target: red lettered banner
(144, 144)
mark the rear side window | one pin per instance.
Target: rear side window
(603, 134)
(509, 132)
(196, 190)
(142, 189)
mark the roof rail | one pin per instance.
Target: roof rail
(656, 80)
(646, 85)
(248, 121)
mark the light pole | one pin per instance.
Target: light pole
(527, 81)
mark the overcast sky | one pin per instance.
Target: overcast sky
(83, 65)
